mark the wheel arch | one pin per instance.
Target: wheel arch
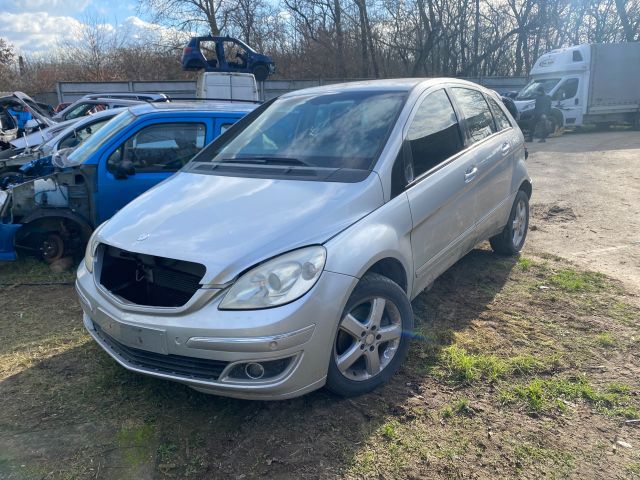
(526, 187)
(42, 220)
(393, 269)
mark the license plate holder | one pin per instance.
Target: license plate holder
(143, 338)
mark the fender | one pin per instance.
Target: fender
(45, 213)
(355, 250)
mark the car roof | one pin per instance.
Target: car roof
(126, 95)
(391, 85)
(196, 106)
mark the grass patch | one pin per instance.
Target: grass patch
(32, 270)
(460, 408)
(605, 340)
(527, 454)
(525, 264)
(545, 395)
(459, 366)
(571, 280)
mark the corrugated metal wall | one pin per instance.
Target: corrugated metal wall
(70, 91)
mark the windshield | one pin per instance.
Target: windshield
(529, 92)
(89, 147)
(333, 130)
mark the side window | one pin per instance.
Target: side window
(577, 56)
(502, 122)
(434, 134)
(165, 147)
(567, 90)
(476, 111)
(224, 127)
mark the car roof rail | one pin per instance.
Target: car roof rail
(195, 99)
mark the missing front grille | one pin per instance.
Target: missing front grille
(149, 280)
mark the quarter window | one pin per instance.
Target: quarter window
(476, 111)
(502, 122)
(434, 134)
(166, 147)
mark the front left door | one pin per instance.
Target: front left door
(567, 99)
(154, 152)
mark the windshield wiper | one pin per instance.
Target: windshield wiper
(267, 161)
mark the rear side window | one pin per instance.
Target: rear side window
(502, 122)
(165, 147)
(476, 111)
(434, 134)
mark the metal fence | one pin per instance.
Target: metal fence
(71, 91)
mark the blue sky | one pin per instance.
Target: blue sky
(36, 26)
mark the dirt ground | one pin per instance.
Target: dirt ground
(522, 367)
(586, 203)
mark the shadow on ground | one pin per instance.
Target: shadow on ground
(77, 414)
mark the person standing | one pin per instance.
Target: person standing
(541, 114)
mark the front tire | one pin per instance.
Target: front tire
(511, 240)
(372, 338)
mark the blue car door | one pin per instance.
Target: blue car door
(148, 153)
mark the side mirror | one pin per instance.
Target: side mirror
(124, 170)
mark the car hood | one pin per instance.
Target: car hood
(229, 224)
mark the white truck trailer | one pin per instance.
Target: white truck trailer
(589, 84)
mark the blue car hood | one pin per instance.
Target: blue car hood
(229, 224)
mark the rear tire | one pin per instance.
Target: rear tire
(511, 240)
(372, 337)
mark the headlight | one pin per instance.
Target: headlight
(528, 106)
(277, 281)
(92, 245)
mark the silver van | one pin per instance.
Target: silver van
(285, 255)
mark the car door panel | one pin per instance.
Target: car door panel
(441, 210)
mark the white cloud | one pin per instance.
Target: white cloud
(38, 31)
(48, 6)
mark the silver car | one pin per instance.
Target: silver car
(285, 255)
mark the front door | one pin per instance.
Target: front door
(154, 152)
(441, 180)
(566, 98)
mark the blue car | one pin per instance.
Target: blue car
(226, 54)
(54, 215)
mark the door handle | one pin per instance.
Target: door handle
(506, 146)
(470, 174)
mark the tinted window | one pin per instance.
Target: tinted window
(332, 130)
(501, 119)
(476, 111)
(77, 137)
(159, 148)
(434, 134)
(567, 89)
(577, 56)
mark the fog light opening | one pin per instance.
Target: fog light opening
(254, 371)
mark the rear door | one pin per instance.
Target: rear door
(151, 152)
(492, 150)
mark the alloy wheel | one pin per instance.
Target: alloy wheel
(368, 338)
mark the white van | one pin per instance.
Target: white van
(588, 84)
